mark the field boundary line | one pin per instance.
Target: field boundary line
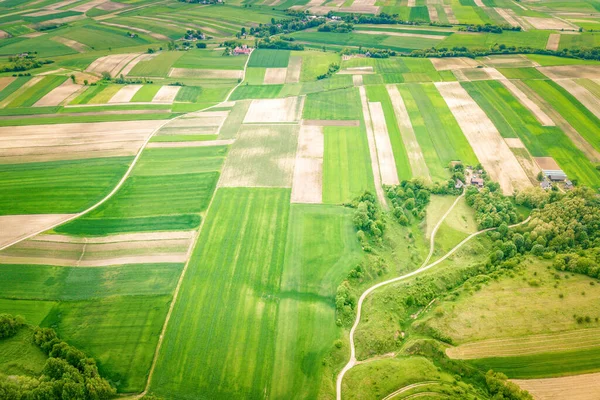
(424, 267)
(125, 176)
(187, 263)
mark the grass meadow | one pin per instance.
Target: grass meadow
(343, 104)
(158, 66)
(209, 59)
(514, 120)
(265, 58)
(58, 186)
(19, 356)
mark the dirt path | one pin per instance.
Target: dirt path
(424, 267)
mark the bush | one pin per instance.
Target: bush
(10, 325)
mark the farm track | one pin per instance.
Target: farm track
(424, 267)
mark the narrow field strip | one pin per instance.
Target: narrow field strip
(484, 138)
(205, 143)
(28, 84)
(539, 114)
(571, 71)
(275, 76)
(293, 70)
(553, 41)
(58, 95)
(15, 227)
(535, 344)
(415, 155)
(125, 94)
(372, 146)
(78, 47)
(584, 96)
(287, 109)
(205, 73)
(385, 155)
(579, 387)
(112, 64)
(307, 183)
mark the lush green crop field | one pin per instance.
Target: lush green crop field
(189, 94)
(522, 73)
(88, 94)
(536, 39)
(100, 37)
(347, 168)
(13, 86)
(401, 69)
(437, 132)
(315, 63)
(209, 59)
(398, 43)
(228, 303)
(173, 161)
(549, 61)
(146, 93)
(582, 119)
(103, 96)
(152, 25)
(34, 311)
(335, 104)
(321, 247)
(58, 186)
(120, 332)
(265, 58)
(583, 41)
(255, 76)
(514, 120)
(545, 365)
(380, 94)
(395, 28)
(30, 96)
(19, 356)
(159, 66)
(41, 44)
(419, 13)
(256, 92)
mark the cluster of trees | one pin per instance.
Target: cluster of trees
(10, 325)
(67, 374)
(492, 209)
(368, 218)
(192, 34)
(461, 51)
(409, 200)
(297, 22)
(23, 63)
(489, 28)
(373, 53)
(339, 27)
(333, 68)
(501, 388)
(584, 262)
(278, 43)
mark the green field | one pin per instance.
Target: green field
(343, 104)
(158, 66)
(19, 356)
(146, 93)
(340, 40)
(209, 59)
(31, 95)
(58, 186)
(228, 301)
(269, 58)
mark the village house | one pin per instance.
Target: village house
(241, 50)
(475, 181)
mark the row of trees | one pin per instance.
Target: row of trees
(23, 62)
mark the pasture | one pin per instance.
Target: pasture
(264, 58)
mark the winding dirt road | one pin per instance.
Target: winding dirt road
(424, 267)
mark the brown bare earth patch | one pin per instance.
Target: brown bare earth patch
(275, 76)
(79, 47)
(578, 387)
(433, 14)
(125, 94)
(357, 80)
(514, 143)
(571, 71)
(87, 6)
(36, 143)
(4, 34)
(15, 227)
(307, 183)
(166, 94)
(541, 116)
(582, 94)
(452, 63)
(507, 61)
(33, 35)
(205, 73)
(59, 94)
(507, 17)
(553, 41)
(546, 163)
(111, 6)
(5, 81)
(274, 110)
(413, 149)
(112, 64)
(450, 14)
(357, 70)
(550, 23)
(293, 70)
(528, 164)
(486, 141)
(330, 122)
(385, 155)
(205, 143)
(123, 237)
(42, 13)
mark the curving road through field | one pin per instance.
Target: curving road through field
(424, 267)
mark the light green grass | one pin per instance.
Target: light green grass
(34, 311)
(99, 37)
(399, 43)
(159, 66)
(20, 356)
(146, 93)
(548, 61)
(228, 303)
(13, 86)
(521, 73)
(343, 104)
(265, 58)
(209, 59)
(256, 92)
(175, 161)
(315, 63)
(58, 186)
(255, 76)
(34, 93)
(189, 94)
(347, 168)
(103, 96)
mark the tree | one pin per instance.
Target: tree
(10, 325)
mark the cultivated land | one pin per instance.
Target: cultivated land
(291, 222)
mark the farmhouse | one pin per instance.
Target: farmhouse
(477, 182)
(546, 185)
(241, 50)
(459, 184)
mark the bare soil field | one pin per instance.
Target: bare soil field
(578, 387)
(586, 98)
(372, 146)
(330, 122)
(4, 34)
(275, 76)
(293, 70)
(547, 163)
(488, 145)
(507, 17)
(413, 149)
(479, 3)
(526, 345)
(205, 143)
(571, 71)
(412, 3)
(205, 73)
(33, 35)
(539, 114)
(307, 183)
(196, 123)
(262, 156)
(166, 94)
(144, 57)
(550, 23)
(79, 47)
(357, 80)
(385, 155)
(125, 94)
(15, 227)
(122, 237)
(528, 164)
(87, 6)
(59, 4)
(287, 109)
(58, 95)
(5, 81)
(450, 14)
(111, 6)
(357, 71)
(514, 61)
(112, 64)
(452, 63)
(433, 14)
(514, 143)
(36, 143)
(553, 41)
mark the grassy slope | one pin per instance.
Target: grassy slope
(19, 356)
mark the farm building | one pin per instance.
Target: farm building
(477, 182)
(555, 175)
(241, 50)
(546, 185)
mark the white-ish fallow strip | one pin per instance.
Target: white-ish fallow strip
(57, 95)
(385, 155)
(125, 94)
(584, 96)
(307, 182)
(577, 387)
